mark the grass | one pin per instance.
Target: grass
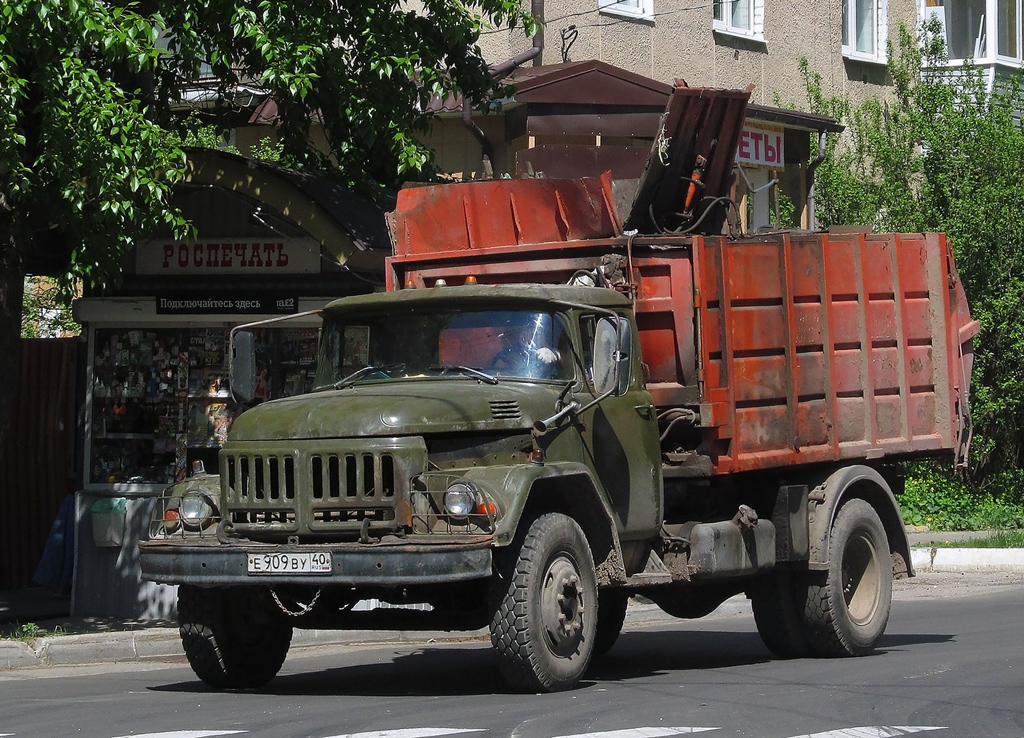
(1002, 539)
(30, 632)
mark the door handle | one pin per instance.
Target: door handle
(646, 411)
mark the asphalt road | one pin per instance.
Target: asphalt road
(951, 664)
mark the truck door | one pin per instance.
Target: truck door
(620, 437)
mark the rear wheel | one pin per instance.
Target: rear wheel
(543, 622)
(234, 638)
(778, 605)
(848, 608)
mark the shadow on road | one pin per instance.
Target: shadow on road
(896, 640)
(464, 669)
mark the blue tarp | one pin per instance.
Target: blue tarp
(58, 561)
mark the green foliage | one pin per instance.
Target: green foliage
(76, 146)
(787, 212)
(26, 633)
(941, 501)
(267, 150)
(47, 310)
(29, 632)
(943, 154)
(194, 132)
(366, 70)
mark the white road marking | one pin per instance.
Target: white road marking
(184, 734)
(873, 731)
(637, 733)
(409, 733)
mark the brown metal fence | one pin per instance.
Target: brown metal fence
(35, 460)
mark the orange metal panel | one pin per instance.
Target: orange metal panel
(486, 214)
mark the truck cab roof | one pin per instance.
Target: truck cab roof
(599, 297)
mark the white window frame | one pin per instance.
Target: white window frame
(635, 9)
(725, 25)
(881, 32)
(1017, 58)
(987, 36)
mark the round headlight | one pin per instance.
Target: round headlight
(460, 498)
(195, 509)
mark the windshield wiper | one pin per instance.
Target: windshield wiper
(368, 369)
(468, 371)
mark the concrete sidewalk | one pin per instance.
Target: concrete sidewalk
(67, 641)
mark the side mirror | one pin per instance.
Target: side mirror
(613, 341)
(243, 366)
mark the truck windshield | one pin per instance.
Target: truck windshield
(481, 344)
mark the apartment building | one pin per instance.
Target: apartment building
(725, 43)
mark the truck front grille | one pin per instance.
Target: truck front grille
(262, 517)
(320, 487)
(259, 477)
(353, 476)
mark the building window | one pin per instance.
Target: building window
(739, 17)
(1008, 24)
(864, 30)
(639, 9)
(970, 25)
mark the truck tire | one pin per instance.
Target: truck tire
(544, 617)
(848, 608)
(778, 605)
(611, 614)
(234, 638)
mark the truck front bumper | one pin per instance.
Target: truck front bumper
(353, 564)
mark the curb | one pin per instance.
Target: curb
(91, 648)
(967, 559)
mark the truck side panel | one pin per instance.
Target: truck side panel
(818, 348)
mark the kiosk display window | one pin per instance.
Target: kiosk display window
(161, 400)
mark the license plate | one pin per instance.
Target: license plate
(316, 562)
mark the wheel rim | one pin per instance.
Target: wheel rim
(562, 607)
(862, 578)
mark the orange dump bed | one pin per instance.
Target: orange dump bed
(794, 348)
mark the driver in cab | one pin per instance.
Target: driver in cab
(527, 351)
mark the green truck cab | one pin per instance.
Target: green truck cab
(464, 448)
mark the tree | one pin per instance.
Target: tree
(77, 152)
(86, 100)
(366, 70)
(46, 312)
(945, 155)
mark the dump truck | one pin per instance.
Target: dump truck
(554, 408)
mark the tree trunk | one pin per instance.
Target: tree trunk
(12, 288)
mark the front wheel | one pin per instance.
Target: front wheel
(235, 637)
(544, 620)
(847, 610)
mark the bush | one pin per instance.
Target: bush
(941, 501)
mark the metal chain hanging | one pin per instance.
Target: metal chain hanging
(301, 612)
